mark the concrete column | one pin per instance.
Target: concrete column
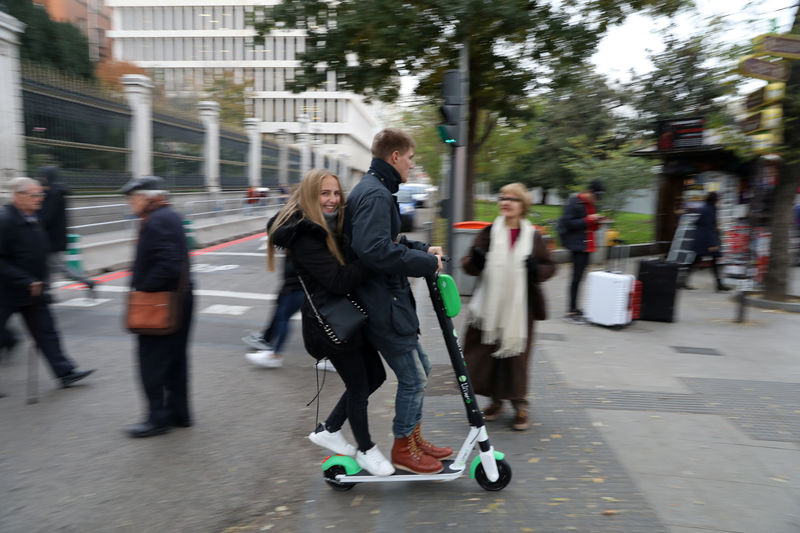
(209, 115)
(138, 90)
(283, 157)
(251, 125)
(12, 135)
(305, 145)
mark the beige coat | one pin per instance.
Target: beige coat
(506, 378)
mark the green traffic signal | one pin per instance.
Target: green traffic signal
(446, 134)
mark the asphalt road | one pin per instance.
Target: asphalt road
(627, 435)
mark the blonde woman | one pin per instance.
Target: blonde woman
(512, 259)
(309, 228)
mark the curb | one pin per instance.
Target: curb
(762, 303)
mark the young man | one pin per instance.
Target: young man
(372, 223)
(23, 277)
(576, 228)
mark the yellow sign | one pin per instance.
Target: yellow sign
(764, 143)
(768, 118)
(755, 67)
(768, 94)
(783, 45)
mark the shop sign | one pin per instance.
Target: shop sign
(766, 95)
(764, 69)
(764, 143)
(680, 133)
(767, 119)
(783, 45)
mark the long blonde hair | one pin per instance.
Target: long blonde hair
(305, 200)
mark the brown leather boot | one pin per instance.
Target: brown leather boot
(491, 412)
(428, 448)
(406, 455)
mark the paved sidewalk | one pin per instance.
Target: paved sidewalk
(686, 427)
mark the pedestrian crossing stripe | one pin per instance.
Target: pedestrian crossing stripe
(220, 309)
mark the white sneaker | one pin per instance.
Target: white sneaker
(265, 358)
(335, 441)
(326, 365)
(374, 462)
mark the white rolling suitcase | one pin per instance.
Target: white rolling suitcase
(607, 299)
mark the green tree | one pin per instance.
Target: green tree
(691, 77)
(513, 46)
(566, 121)
(620, 173)
(56, 44)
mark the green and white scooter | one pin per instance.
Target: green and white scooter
(488, 468)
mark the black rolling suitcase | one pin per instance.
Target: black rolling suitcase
(659, 287)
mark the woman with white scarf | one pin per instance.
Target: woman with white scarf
(511, 258)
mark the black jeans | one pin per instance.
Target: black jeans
(580, 260)
(42, 328)
(362, 372)
(164, 371)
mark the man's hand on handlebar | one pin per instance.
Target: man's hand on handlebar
(437, 251)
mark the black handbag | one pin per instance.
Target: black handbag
(340, 317)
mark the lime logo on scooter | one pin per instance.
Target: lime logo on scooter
(464, 386)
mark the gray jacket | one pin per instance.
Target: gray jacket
(372, 223)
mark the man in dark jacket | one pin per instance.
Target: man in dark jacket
(161, 264)
(372, 223)
(576, 228)
(53, 218)
(23, 277)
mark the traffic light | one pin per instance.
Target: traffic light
(452, 108)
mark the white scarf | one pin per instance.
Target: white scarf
(499, 306)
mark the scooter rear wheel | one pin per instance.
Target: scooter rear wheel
(505, 476)
(330, 478)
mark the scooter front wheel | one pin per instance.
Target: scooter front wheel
(330, 478)
(505, 476)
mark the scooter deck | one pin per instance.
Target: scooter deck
(403, 475)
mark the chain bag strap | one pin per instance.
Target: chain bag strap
(340, 317)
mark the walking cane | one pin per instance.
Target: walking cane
(33, 374)
(33, 362)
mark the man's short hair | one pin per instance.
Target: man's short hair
(391, 140)
(17, 185)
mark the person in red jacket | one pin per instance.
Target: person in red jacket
(576, 228)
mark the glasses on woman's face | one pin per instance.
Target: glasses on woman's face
(508, 199)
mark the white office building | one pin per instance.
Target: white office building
(184, 44)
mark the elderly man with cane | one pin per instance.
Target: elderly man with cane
(23, 277)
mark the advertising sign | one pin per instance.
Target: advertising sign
(764, 69)
(768, 94)
(783, 45)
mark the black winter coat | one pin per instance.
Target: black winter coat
(372, 223)
(572, 226)
(53, 216)
(290, 282)
(323, 275)
(23, 257)
(161, 253)
(706, 235)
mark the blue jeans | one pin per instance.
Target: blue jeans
(288, 304)
(412, 370)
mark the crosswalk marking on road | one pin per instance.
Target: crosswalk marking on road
(82, 302)
(197, 292)
(220, 309)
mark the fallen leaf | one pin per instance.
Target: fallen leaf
(598, 480)
(533, 460)
(555, 436)
(609, 512)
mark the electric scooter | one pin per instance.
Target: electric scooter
(488, 468)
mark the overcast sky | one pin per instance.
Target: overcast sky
(626, 47)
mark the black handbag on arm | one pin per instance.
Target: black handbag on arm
(340, 317)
